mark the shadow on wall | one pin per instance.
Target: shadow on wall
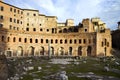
(3, 60)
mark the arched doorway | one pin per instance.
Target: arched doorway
(70, 50)
(20, 51)
(41, 50)
(89, 51)
(80, 51)
(52, 51)
(61, 51)
(31, 51)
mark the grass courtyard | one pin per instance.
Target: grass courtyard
(77, 69)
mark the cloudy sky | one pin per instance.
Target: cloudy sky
(107, 10)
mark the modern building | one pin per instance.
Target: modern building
(26, 32)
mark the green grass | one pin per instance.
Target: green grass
(80, 68)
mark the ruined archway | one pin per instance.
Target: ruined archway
(52, 51)
(31, 51)
(80, 51)
(61, 51)
(19, 51)
(70, 50)
(41, 50)
(89, 51)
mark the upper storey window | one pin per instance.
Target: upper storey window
(2, 8)
(34, 14)
(21, 12)
(18, 11)
(1, 17)
(14, 10)
(11, 9)
(10, 19)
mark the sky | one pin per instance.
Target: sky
(107, 10)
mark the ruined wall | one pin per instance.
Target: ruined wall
(104, 45)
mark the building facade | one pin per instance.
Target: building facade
(26, 32)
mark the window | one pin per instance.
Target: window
(85, 30)
(17, 28)
(11, 9)
(14, 39)
(2, 9)
(56, 41)
(75, 41)
(80, 41)
(10, 27)
(14, 20)
(1, 17)
(27, 29)
(102, 44)
(25, 40)
(14, 28)
(61, 41)
(8, 39)
(34, 29)
(46, 40)
(21, 12)
(20, 40)
(66, 41)
(41, 40)
(2, 38)
(51, 41)
(84, 41)
(10, 19)
(18, 11)
(41, 29)
(52, 30)
(47, 30)
(27, 24)
(34, 14)
(21, 22)
(30, 40)
(18, 21)
(70, 41)
(14, 10)
(36, 40)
